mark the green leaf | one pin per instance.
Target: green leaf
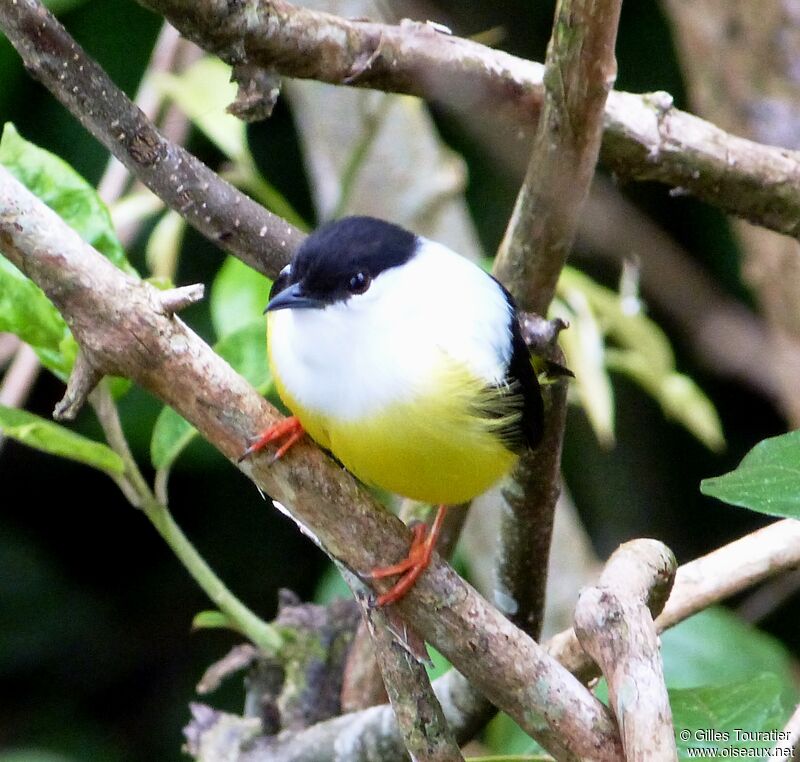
(31, 430)
(245, 351)
(24, 308)
(503, 736)
(238, 296)
(713, 717)
(164, 245)
(680, 398)
(203, 93)
(28, 313)
(634, 345)
(767, 480)
(698, 652)
(212, 620)
(584, 350)
(60, 187)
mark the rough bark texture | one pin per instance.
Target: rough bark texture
(219, 211)
(614, 625)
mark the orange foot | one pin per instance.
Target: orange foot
(289, 428)
(417, 560)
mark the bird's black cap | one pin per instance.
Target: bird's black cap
(341, 259)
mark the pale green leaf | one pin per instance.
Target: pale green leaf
(634, 345)
(680, 397)
(239, 295)
(767, 480)
(50, 437)
(164, 245)
(584, 350)
(203, 93)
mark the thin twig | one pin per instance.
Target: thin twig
(135, 339)
(136, 489)
(19, 379)
(148, 99)
(208, 203)
(615, 627)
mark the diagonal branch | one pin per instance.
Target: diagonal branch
(135, 338)
(214, 207)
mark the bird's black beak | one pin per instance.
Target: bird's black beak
(293, 298)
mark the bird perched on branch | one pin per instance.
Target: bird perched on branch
(406, 361)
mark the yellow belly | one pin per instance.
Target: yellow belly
(435, 448)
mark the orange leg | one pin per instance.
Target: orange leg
(417, 560)
(289, 429)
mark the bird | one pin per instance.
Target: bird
(406, 361)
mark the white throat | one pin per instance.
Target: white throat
(354, 358)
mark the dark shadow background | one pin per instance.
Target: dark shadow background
(97, 660)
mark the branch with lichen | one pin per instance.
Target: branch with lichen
(614, 625)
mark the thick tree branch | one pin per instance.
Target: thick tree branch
(579, 73)
(214, 207)
(614, 625)
(645, 137)
(136, 339)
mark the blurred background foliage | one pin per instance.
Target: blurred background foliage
(97, 660)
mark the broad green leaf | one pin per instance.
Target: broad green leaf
(713, 717)
(767, 480)
(203, 93)
(24, 308)
(60, 187)
(31, 430)
(698, 652)
(238, 296)
(28, 313)
(245, 350)
(212, 620)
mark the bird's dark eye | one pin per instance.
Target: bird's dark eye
(359, 283)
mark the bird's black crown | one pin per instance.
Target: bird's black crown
(343, 257)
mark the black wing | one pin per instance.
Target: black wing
(521, 380)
